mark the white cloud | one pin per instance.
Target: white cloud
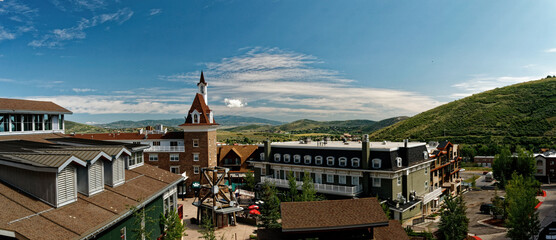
(19, 19)
(82, 90)
(234, 103)
(155, 11)
(57, 36)
(80, 5)
(5, 35)
(6, 80)
(551, 50)
(481, 84)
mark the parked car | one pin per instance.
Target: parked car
(486, 208)
(489, 177)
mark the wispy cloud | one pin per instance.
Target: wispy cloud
(5, 35)
(6, 80)
(57, 37)
(18, 16)
(83, 90)
(155, 11)
(80, 5)
(551, 50)
(481, 84)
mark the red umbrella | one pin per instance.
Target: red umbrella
(253, 207)
(255, 212)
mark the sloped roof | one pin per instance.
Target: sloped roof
(242, 151)
(394, 230)
(442, 145)
(332, 215)
(34, 219)
(200, 106)
(30, 106)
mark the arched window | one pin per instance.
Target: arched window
(307, 159)
(330, 161)
(286, 158)
(342, 161)
(399, 161)
(355, 162)
(318, 160)
(262, 156)
(277, 157)
(296, 158)
(377, 163)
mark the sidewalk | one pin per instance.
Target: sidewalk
(238, 232)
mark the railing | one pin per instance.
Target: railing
(319, 187)
(432, 195)
(165, 149)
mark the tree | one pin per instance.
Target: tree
(174, 229)
(525, 163)
(500, 206)
(308, 192)
(293, 193)
(142, 220)
(249, 181)
(270, 211)
(468, 152)
(502, 166)
(386, 210)
(207, 229)
(523, 220)
(453, 222)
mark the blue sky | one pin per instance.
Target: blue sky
(283, 60)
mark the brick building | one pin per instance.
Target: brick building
(184, 152)
(484, 161)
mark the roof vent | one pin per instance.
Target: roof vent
(384, 143)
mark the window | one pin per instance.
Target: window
(318, 178)
(426, 171)
(27, 122)
(173, 144)
(195, 142)
(153, 157)
(425, 154)
(176, 157)
(329, 178)
(342, 179)
(377, 163)
(261, 156)
(277, 157)
(47, 123)
(38, 122)
(196, 169)
(296, 158)
(286, 158)
(330, 161)
(551, 162)
(426, 185)
(136, 142)
(376, 182)
(399, 181)
(175, 169)
(355, 162)
(61, 122)
(399, 161)
(318, 160)
(195, 116)
(195, 157)
(130, 160)
(307, 159)
(355, 181)
(157, 143)
(342, 161)
(263, 171)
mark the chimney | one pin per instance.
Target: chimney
(405, 141)
(365, 158)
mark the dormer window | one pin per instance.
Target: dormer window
(296, 158)
(196, 117)
(399, 161)
(377, 163)
(342, 161)
(318, 160)
(355, 162)
(307, 159)
(286, 158)
(330, 161)
(425, 154)
(277, 157)
(261, 156)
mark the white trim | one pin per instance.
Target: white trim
(7, 233)
(70, 160)
(101, 154)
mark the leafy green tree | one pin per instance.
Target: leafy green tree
(270, 211)
(386, 210)
(249, 181)
(523, 220)
(453, 222)
(207, 229)
(468, 152)
(293, 193)
(500, 206)
(308, 192)
(142, 220)
(525, 163)
(174, 229)
(502, 166)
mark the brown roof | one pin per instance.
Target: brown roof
(32, 137)
(242, 151)
(34, 219)
(332, 215)
(129, 136)
(20, 105)
(394, 230)
(201, 107)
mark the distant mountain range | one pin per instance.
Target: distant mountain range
(224, 120)
(523, 113)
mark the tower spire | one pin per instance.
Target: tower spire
(203, 87)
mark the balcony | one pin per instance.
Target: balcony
(165, 149)
(319, 187)
(432, 195)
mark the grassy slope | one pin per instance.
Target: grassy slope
(74, 127)
(513, 113)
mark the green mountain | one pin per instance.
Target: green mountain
(312, 126)
(523, 114)
(224, 120)
(74, 127)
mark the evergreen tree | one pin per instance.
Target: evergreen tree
(502, 166)
(174, 228)
(249, 181)
(270, 211)
(207, 229)
(308, 192)
(523, 220)
(293, 193)
(453, 222)
(525, 163)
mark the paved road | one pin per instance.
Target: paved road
(547, 211)
(473, 201)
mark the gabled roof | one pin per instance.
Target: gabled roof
(8, 105)
(332, 215)
(201, 107)
(442, 145)
(242, 151)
